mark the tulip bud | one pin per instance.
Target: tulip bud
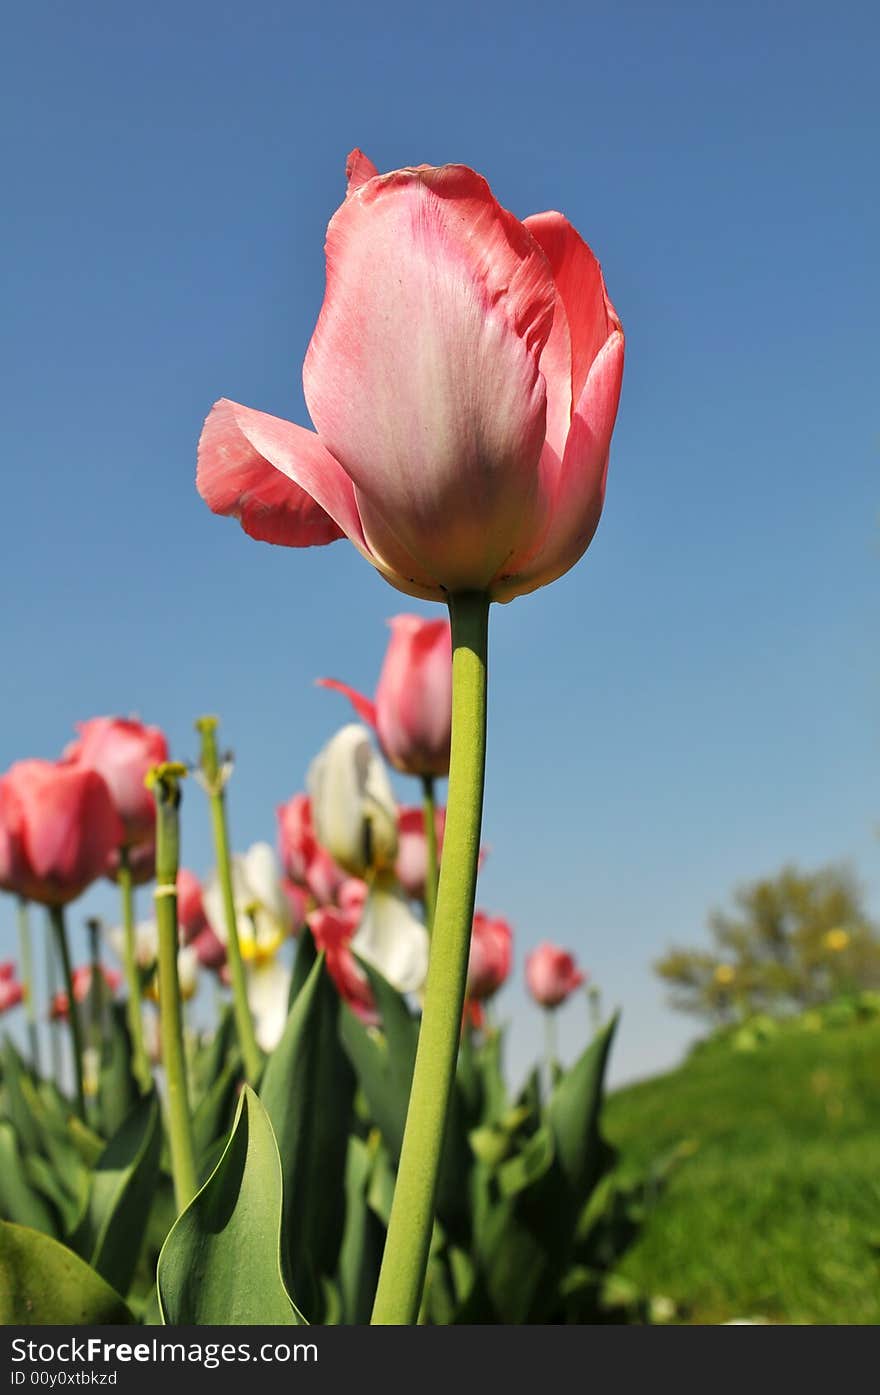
(552, 975)
(353, 808)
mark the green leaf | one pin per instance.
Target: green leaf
(221, 1263)
(19, 1109)
(363, 1240)
(306, 954)
(42, 1283)
(573, 1115)
(19, 1199)
(118, 1090)
(212, 1058)
(307, 1091)
(212, 1118)
(112, 1228)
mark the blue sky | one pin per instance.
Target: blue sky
(699, 700)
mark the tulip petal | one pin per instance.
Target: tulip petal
(580, 491)
(422, 374)
(358, 169)
(266, 483)
(391, 938)
(363, 706)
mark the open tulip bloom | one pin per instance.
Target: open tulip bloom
(463, 379)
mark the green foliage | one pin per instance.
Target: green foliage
(774, 1207)
(221, 1263)
(42, 1283)
(794, 940)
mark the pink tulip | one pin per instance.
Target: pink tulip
(491, 956)
(58, 826)
(210, 950)
(412, 713)
(298, 900)
(82, 982)
(552, 975)
(141, 862)
(463, 378)
(412, 848)
(332, 930)
(123, 750)
(191, 916)
(304, 861)
(11, 991)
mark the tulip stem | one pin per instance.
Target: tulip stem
(140, 1059)
(56, 916)
(429, 815)
(27, 982)
(54, 1025)
(214, 784)
(165, 783)
(404, 1262)
(551, 1051)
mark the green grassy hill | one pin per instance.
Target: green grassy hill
(773, 1209)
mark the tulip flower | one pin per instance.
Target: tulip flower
(353, 809)
(58, 826)
(306, 863)
(352, 896)
(332, 929)
(123, 750)
(411, 867)
(463, 379)
(210, 950)
(552, 975)
(263, 911)
(59, 1008)
(191, 918)
(491, 955)
(141, 860)
(11, 991)
(412, 711)
(268, 997)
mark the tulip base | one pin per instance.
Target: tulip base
(402, 1276)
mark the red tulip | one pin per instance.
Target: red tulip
(141, 862)
(298, 900)
(491, 956)
(123, 750)
(11, 991)
(463, 378)
(352, 897)
(552, 974)
(58, 826)
(412, 713)
(191, 916)
(411, 869)
(210, 950)
(332, 930)
(304, 861)
(82, 982)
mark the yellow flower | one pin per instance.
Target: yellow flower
(836, 940)
(724, 975)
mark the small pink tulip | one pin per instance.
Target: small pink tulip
(412, 848)
(11, 991)
(82, 982)
(191, 916)
(552, 975)
(123, 750)
(58, 826)
(332, 930)
(141, 862)
(463, 377)
(412, 712)
(210, 951)
(491, 956)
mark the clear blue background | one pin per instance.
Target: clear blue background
(697, 702)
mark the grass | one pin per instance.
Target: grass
(773, 1209)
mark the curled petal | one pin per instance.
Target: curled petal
(363, 706)
(358, 169)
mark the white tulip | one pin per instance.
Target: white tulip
(262, 911)
(391, 938)
(353, 808)
(268, 989)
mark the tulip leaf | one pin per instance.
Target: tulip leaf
(363, 1240)
(213, 1058)
(573, 1115)
(42, 1283)
(112, 1227)
(118, 1090)
(20, 1199)
(306, 954)
(212, 1118)
(19, 1110)
(307, 1090)
(221, 1263)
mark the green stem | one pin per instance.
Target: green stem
(428, 813)
(54, 1025)
(56, 917)
(27, 982)
(550, 1044)
(244, 1023)
(134, 1012)
(166, 787)
(402, 1276)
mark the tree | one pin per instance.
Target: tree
(792, 941)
